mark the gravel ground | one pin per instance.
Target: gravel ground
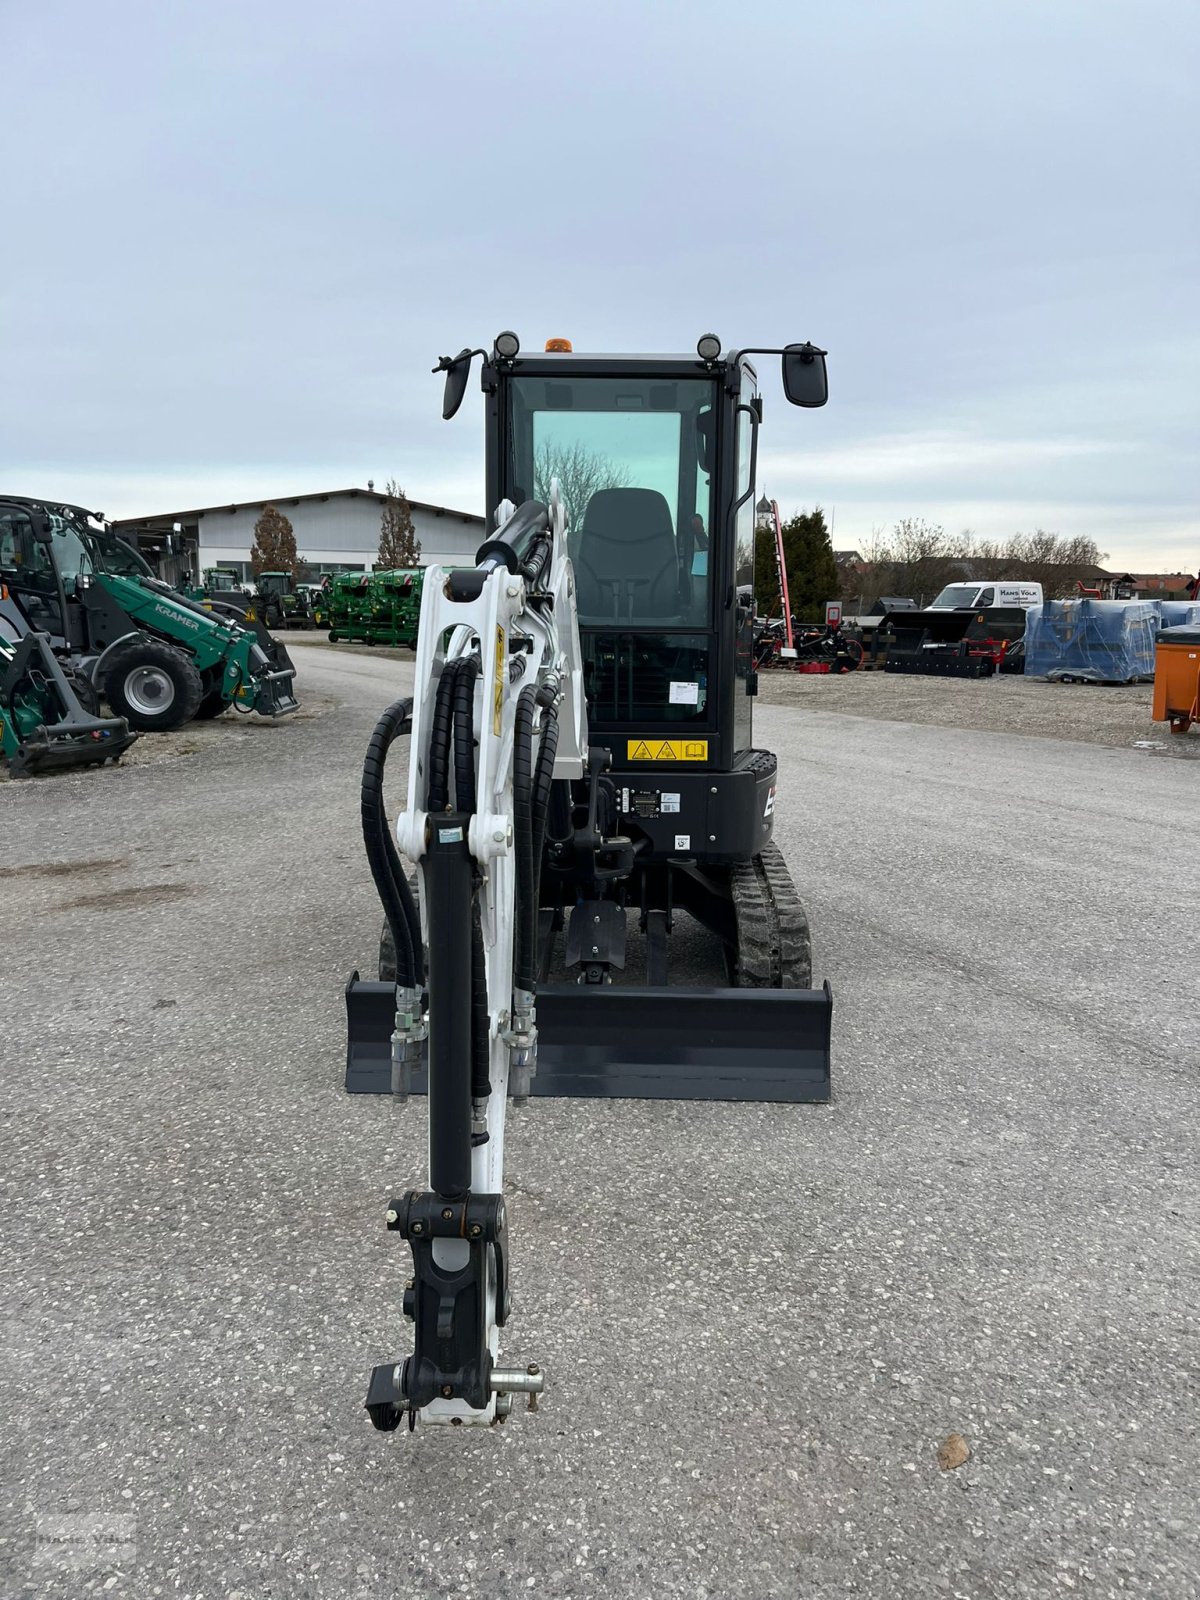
(760, 1323)
(1117, 714)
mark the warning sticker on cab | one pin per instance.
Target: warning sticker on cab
(666, 750)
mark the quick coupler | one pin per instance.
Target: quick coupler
(447, 1301)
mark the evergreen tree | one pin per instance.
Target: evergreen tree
(767, 598)
(274, 547)
(812, 571)
(399, 546)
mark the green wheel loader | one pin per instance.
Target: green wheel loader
(159, 658)
(48, 718)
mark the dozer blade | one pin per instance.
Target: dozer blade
(627, 1043)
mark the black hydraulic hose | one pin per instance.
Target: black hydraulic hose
(537, 562)
(543, 778)
(382, 856)
(407, 903)
(525, 953)
(481, 1085)
(464, 734)
(438, 798)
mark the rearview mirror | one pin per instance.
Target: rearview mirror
(804, 379)
(457, 373)
(43, 528)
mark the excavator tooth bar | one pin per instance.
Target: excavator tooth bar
(628, 1043)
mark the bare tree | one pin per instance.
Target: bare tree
(581, 473)
(1057, 563)
(919, 559)
(274, 547)
(399, 546)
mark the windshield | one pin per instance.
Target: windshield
(83, 546)
(629, 455)
(114, 555)
(955, 594)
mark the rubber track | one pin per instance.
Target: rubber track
(774, 946)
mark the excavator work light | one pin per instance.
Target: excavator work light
(708, 347)
(507, 344)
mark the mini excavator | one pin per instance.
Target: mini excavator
(582, 782)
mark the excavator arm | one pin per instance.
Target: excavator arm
(498, 716)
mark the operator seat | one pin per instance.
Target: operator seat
(626, 560)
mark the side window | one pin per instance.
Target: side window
(987, 598)
(745, 517)
(16, 538)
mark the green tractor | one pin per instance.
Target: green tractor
(283, 601)
(48, 718)
(159, 658)
(220, 589)
(316, 597)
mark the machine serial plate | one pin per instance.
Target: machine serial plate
(666, 750)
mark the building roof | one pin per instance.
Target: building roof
(292, 500)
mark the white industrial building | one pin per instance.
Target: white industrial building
(335, 532)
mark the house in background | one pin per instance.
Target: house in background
(335, 532)
(1163, 585)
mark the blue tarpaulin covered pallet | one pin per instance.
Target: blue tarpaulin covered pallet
(1178, 613)
(1097, 641)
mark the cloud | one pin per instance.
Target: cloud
(920, 457)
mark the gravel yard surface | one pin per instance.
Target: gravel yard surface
(938, 1337)
(1005, 703)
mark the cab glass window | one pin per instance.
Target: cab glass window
(632, 460)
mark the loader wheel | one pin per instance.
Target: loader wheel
(774, 948)
(211, 705)
(85, 692)
(153, 686)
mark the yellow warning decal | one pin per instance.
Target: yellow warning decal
(666, 750)
(498, 686)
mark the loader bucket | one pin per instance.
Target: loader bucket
(629, 1043)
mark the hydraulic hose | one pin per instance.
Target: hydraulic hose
(525, 953)
(438, 798)
(536, 563)
(464, 734)
(481, 1085)
(382, 855)
(543, 778)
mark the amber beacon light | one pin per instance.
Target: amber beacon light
(563, 345)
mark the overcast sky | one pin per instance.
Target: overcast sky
(239, 235)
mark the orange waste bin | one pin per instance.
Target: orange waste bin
(1177, 678)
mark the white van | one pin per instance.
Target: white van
(979, 596)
